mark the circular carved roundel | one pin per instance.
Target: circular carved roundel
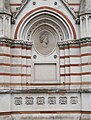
(45, 40)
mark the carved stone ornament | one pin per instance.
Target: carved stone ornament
(45, 40)
(18, 100)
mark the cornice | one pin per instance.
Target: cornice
(73, 42)
(13, 42)
(43, 90)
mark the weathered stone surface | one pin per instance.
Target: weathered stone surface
(45, 60)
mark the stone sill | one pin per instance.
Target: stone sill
(38, 90)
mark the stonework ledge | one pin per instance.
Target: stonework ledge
(12, 42)
(73, 42)
(38, 90)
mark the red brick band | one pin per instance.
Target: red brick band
(69, 56)
(15, 4)
(10, 74)
(75, 65)
(76, 74)
(15, 56)
(74, 4)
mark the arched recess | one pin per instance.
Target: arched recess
(45, 16)
(45, 27)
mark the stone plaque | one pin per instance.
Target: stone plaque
(42, 72)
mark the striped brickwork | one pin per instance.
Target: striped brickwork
(15, 62)
(22, 99)
(75, 62)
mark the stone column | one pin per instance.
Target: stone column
(16, 65)
(62, 63)
(23, 69)
(75, 65)
(28, 63)
(86, 63)
(4, 63)
(67, 64)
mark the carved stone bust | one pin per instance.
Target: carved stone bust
(44, 40)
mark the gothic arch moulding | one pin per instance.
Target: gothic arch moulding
(48, 20)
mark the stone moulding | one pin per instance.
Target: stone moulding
(13, 42)
(47, 90)
(73, 42)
